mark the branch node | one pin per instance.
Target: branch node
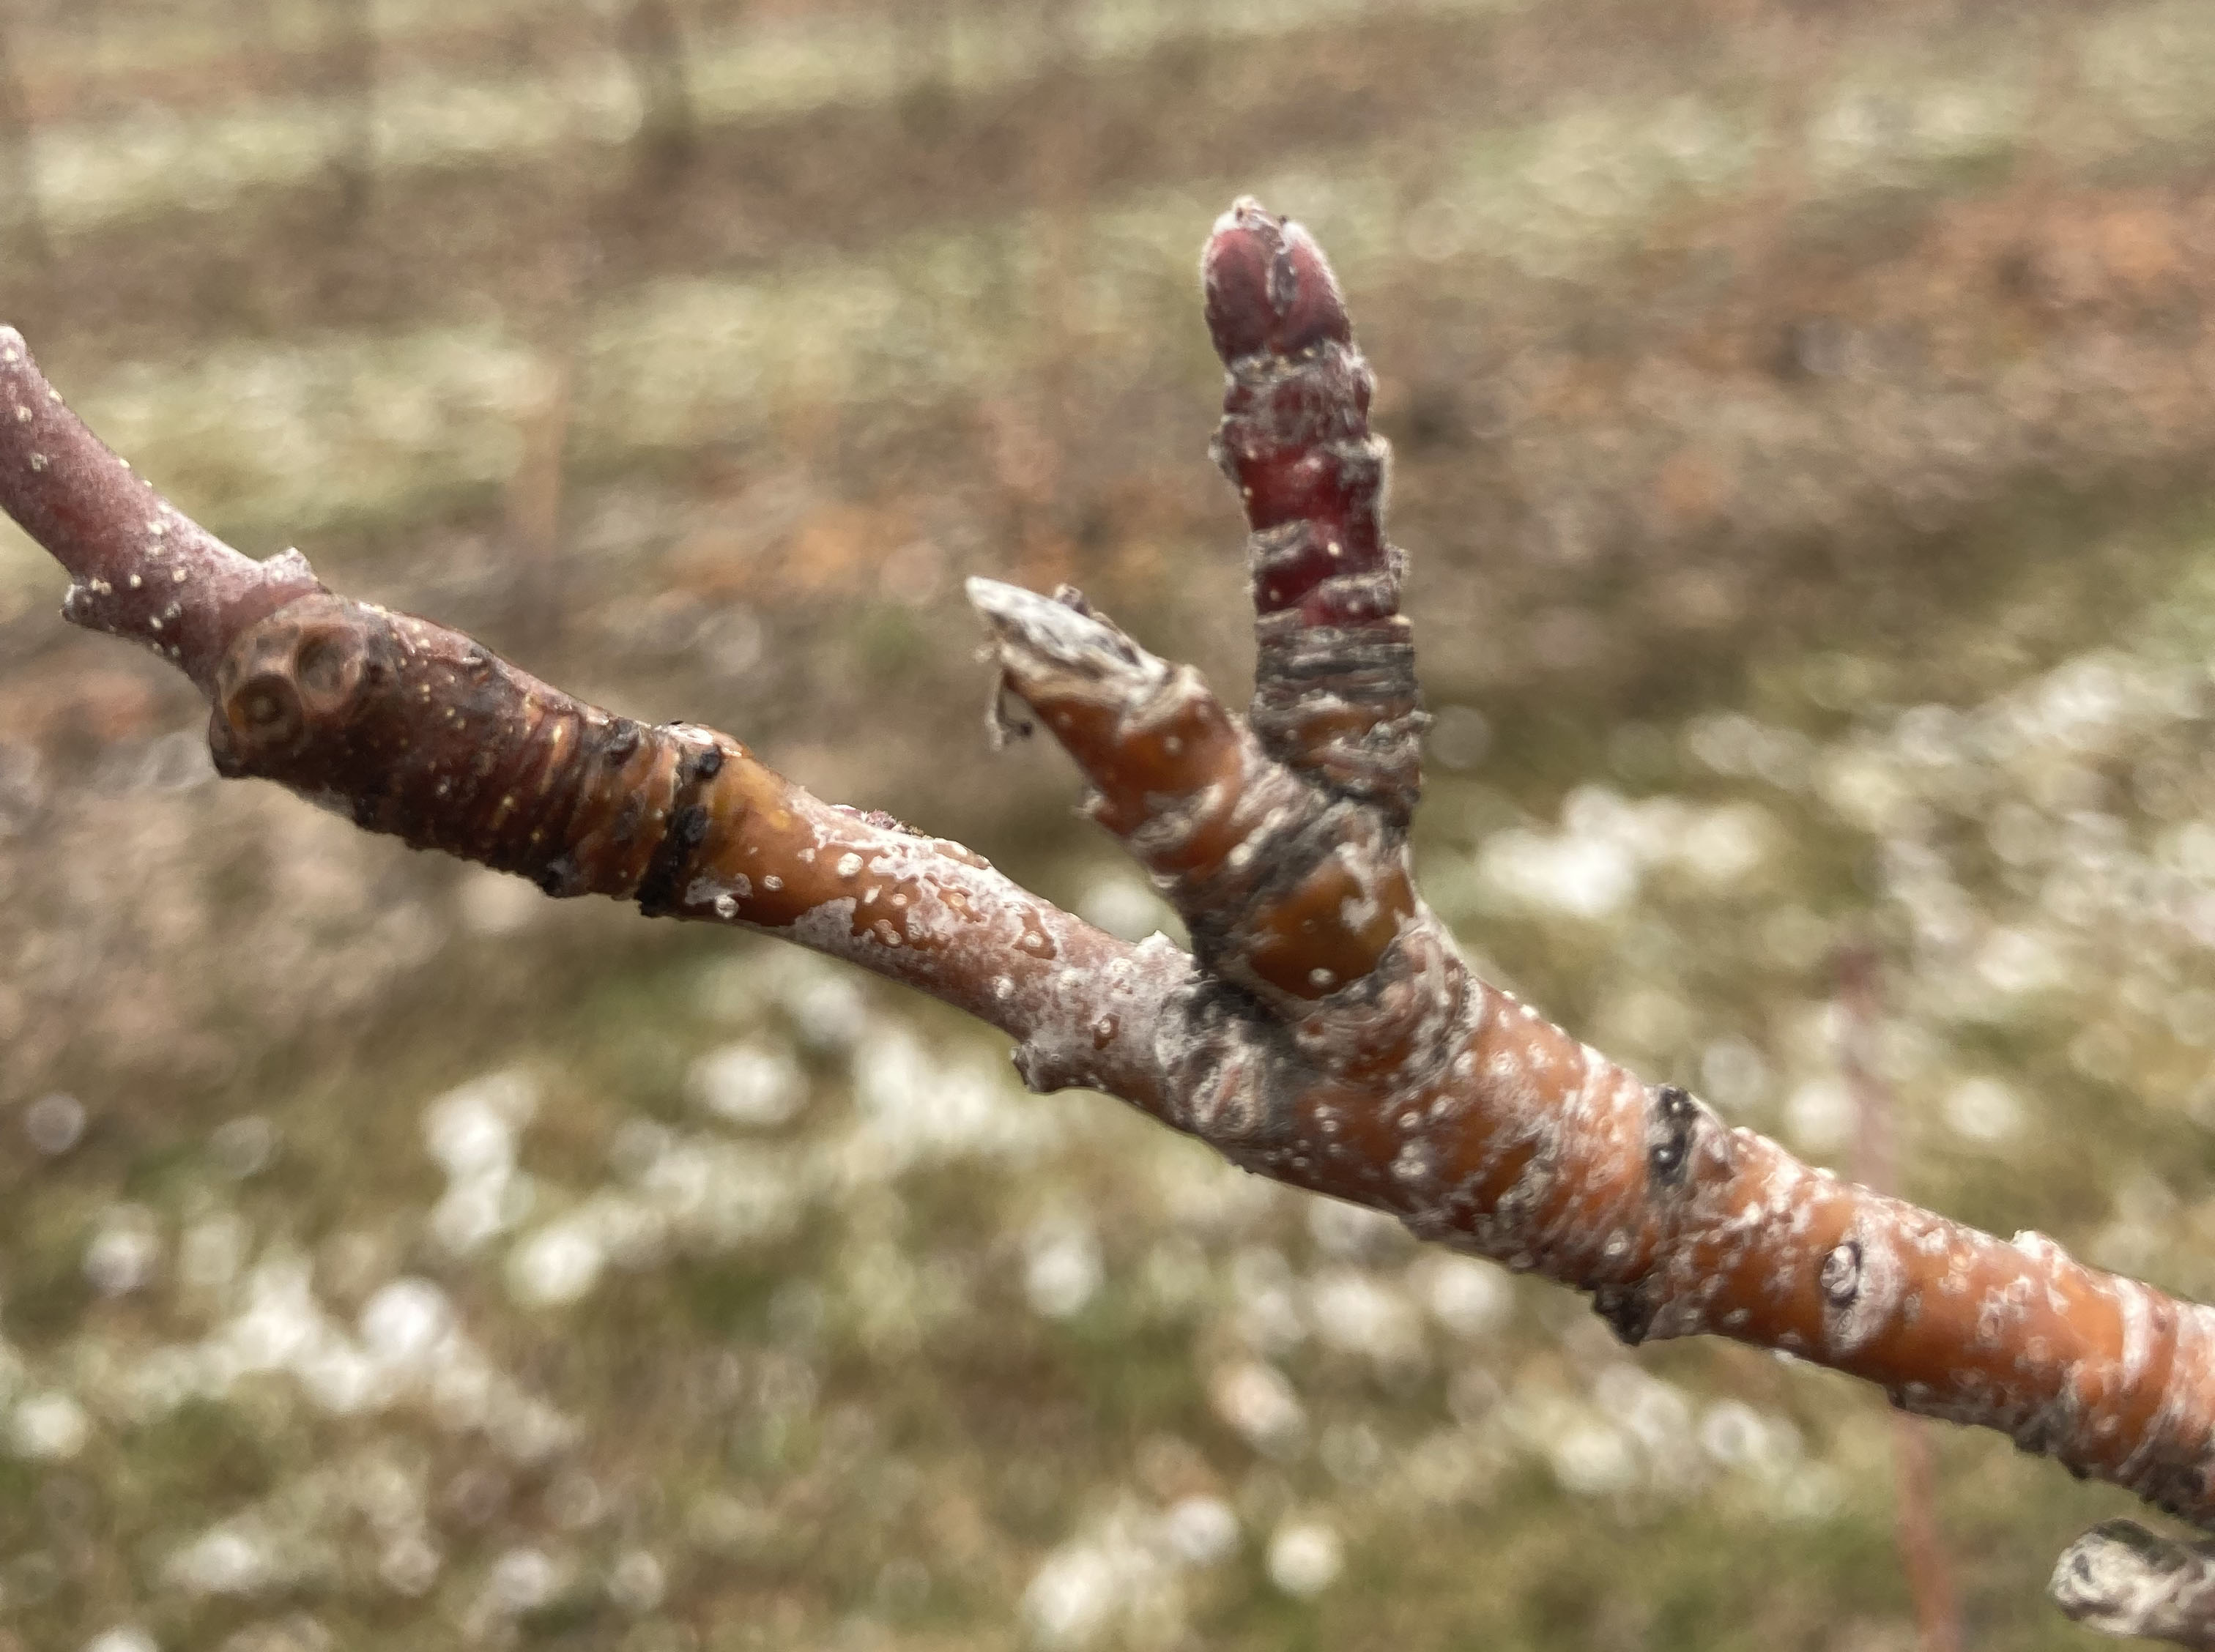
(285, 679)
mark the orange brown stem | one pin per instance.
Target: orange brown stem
(419, 731)
(1286, 889)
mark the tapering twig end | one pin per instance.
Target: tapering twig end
(1059, 638)
(1269, 287)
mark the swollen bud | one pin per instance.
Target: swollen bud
(1268, 286)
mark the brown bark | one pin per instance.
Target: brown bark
(1324, 1031)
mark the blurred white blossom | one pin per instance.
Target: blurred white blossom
(1305, 1558)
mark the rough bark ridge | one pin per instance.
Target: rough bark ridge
(1324, 1031)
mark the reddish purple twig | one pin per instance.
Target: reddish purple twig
(1335, 692)
(139, 567)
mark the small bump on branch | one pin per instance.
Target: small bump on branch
(421, 732)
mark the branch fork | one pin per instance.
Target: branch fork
(1324, 1030)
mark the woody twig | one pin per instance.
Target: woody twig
(1324, 1030)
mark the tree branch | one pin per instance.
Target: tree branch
(415, 730)
(140, 568)
(1325, 1031)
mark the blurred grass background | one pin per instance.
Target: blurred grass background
(1804, 416)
